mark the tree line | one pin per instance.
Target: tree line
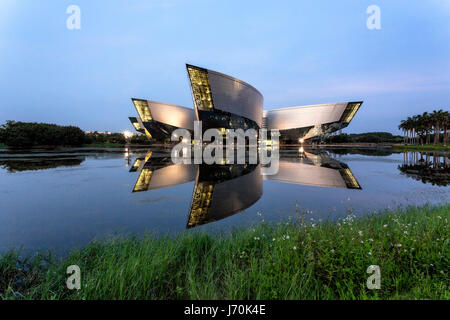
(422, 128)
(30, 134)
(369, 137)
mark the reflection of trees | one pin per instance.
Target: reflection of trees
(38, 164)
(428, 167)
(365, 152)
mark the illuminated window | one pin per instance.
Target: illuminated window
(137, 126)
(148, 156)
(201, 203)
(143, 181)
(201, 90)
(134, 121)
(143, 110)
(349, 179)
(137, 163)
(148, 134)
(350, 112)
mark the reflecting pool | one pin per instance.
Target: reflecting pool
(63, 199)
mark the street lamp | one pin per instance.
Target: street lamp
(127, 134)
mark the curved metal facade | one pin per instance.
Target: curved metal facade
(311, 121)
(221, 100)
(236, 96)
(173, 115)
(224, 102)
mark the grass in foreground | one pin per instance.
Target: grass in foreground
(290, 260)
(427, 147)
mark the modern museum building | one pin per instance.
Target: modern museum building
(224, 102)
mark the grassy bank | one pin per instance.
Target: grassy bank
(289, 260)
(427, 147)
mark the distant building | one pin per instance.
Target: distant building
(224, 102)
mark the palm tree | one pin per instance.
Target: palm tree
(425, 118)
(418, 128)
(436, 120)
(445, 120)
(402, 127)
(410, 127)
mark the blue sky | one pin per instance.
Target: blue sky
(294, 52)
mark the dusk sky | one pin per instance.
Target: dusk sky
(294, 52)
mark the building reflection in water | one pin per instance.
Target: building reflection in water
(223, 190)
(428, 167)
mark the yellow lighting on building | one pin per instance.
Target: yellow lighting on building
(201, 203)
(136, 163)
(301, 140)
(201, 89)
(143, 181)
(148, 155)
(137, 126)
(148, 134)
(143, 110)
(353, 109)
(350, 179)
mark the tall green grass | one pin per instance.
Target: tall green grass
(296, 259)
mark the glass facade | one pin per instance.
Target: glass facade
(201, 90)
(143, 110)
(201, 203)
(221, 119)
(223, 102)
(349, 179)
(134, 121)
(143, 181)
(350, 112)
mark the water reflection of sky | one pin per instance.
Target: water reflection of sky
(89, 195)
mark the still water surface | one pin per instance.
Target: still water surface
(60, 200)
